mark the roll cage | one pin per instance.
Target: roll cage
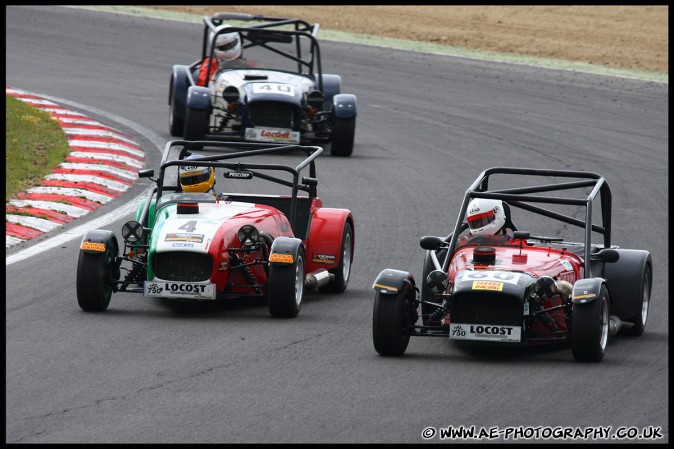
(305, 183)
(263, 34)
(521, 197)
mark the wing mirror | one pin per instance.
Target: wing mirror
(608, 255)
(432, 242)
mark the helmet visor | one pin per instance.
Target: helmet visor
(228, 45)
(478, 221)
(190, 179)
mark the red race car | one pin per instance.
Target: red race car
(489, 283)
(192, 242)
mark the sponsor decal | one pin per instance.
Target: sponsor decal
(566, 264)
(242, 174)
(184, 237)
(281, 258)
(272, 135)
(182, 245)
(92, 246)
(324, 258)
(485, 332)
(488, 285)
(179, 290)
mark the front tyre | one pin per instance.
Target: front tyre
(640, 320)
(589, 328)
(196, 124)
(390, 327)
(285, 287)
(95, 277)
(176, 124)
(343, 270)
(344, 131)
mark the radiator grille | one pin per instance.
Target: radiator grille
(487, 309)
(272, 114)
(183, 266)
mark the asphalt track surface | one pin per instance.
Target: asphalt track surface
(145, 371)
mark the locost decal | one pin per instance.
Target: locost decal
(272, 135)
(178, 290)
(485, 332)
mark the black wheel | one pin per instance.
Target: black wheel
(176, 124)
(344, 132)
(196, 124)
(390, 327)
(589, 328)
(95, 274)
(343, 271)
(640, 320)
(285, 287)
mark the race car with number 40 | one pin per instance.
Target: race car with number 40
(275, 92)
(191, 242)
(521, 287)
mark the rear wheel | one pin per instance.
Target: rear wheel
(640, 320)
(343, 136)
(390, 328)
(343, 271)
(285, 287)
(95, 275)
(196, 124)
(589, 328)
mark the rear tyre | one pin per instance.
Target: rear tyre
(285, 287)
(95, 275)
(343, 271)
(640, 320)
(589, 328)
(390, 330)
(196, 124)
(343, 136)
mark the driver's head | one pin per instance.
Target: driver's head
(227, 45)
(485, 217)
(196, 179)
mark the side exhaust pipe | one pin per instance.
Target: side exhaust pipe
(317, 278)
(615, 325)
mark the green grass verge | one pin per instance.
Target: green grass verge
(35, 144)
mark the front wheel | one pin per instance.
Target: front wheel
(343, 136)
(390, 322)
(640, 320)
(589, 328)
(196, 124)
(285, 287)
(176, 124)
(95, 277)
(343, 270)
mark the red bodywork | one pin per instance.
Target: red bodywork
(560, 264)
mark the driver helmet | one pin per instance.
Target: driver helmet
(485, 216)
(196, 179)
(227, 45)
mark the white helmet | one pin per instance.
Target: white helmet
(227, 45)
(485, 216)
